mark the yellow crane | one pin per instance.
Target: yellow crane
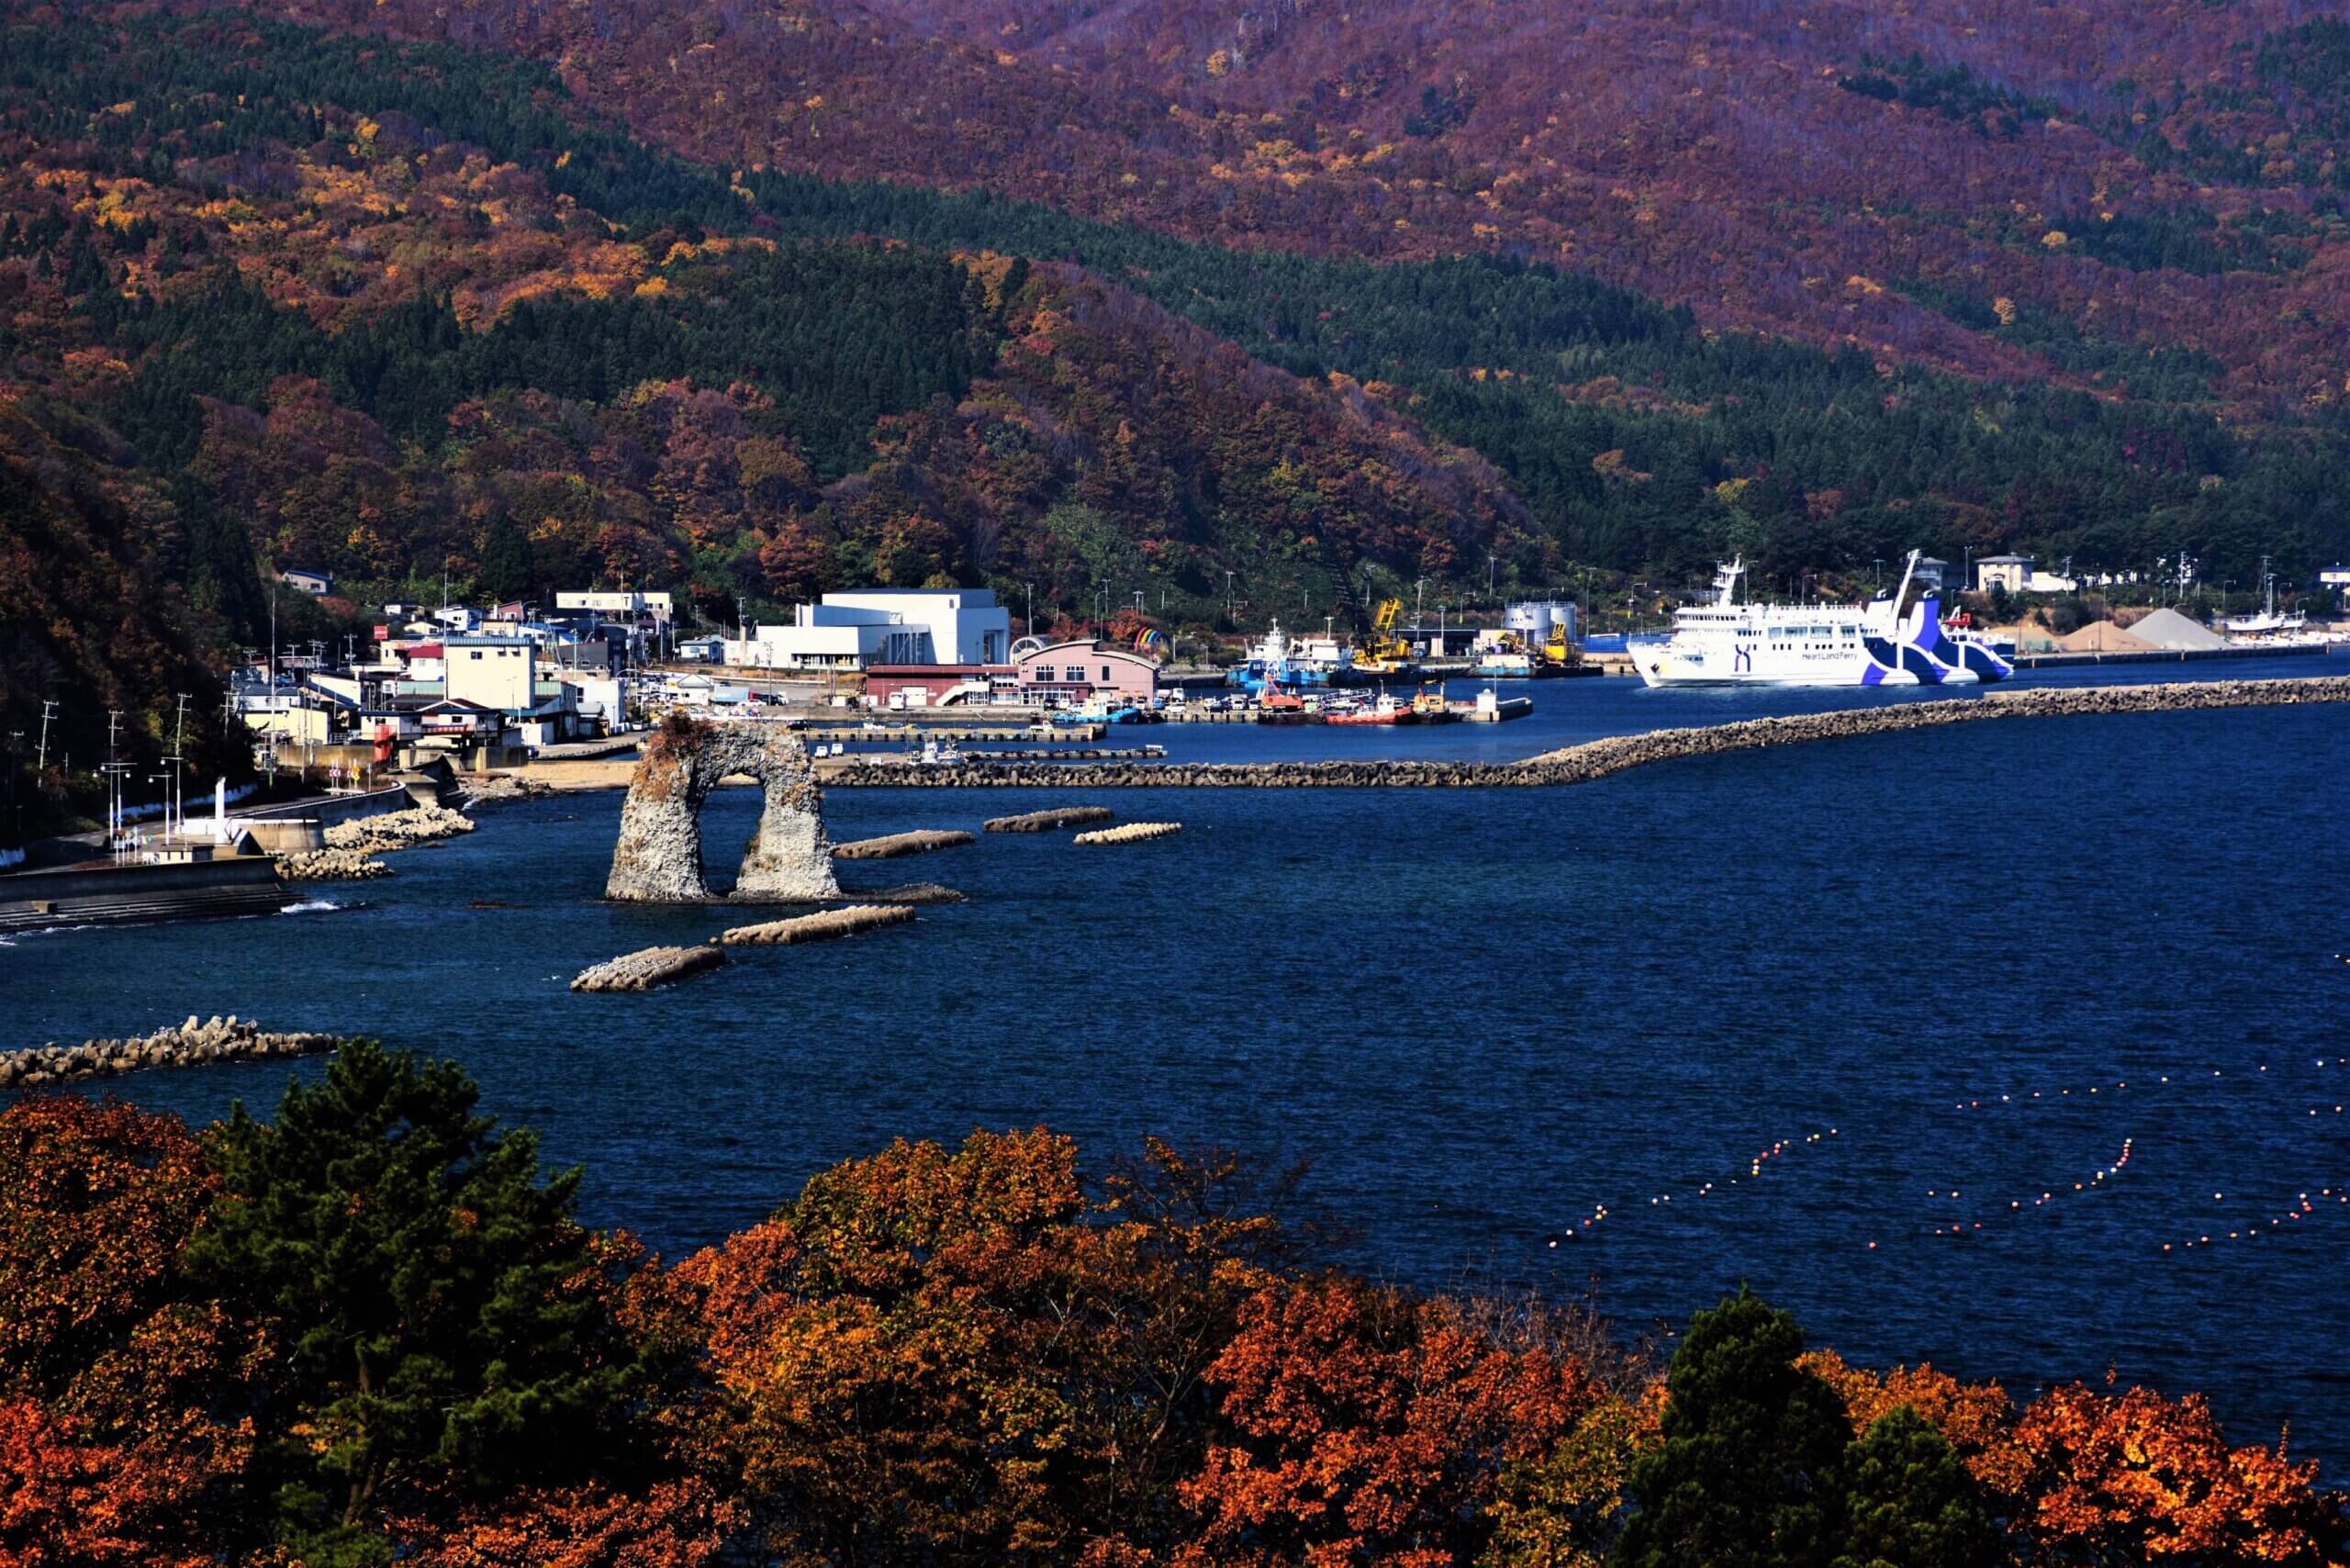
(1381, 651)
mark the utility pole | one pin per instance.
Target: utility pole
(48, 711)
(114, 772)
(1029, 619)
(175, 807)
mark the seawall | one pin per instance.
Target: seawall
(101, 894)
(1597, 759)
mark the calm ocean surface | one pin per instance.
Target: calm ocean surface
(1480, 1015)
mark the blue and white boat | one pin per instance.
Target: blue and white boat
(1288, 666)
(1723, 642)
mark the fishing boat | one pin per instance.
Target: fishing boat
(1722, 642)
(1277, 661)
(1385, 709)
(2269, 624)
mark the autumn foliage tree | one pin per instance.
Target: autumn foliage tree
(124, 1387)
(371, 1330)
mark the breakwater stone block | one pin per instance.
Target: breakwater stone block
(648, 967)
(1048, 820)
(910, 892)
(657, 858)
(192, 1044)
(823, 927)
(331, 865)
(398, 830)
(893, 845)
(1129, 832)
(1598, 759)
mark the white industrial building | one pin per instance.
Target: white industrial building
(883, 626)
(2019, 574)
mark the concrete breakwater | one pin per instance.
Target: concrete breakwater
(820, 927)
(1045, 821)
(398, 830)
(894, 846)
(191, 1043)
(331, 865)
(1597, 759)
(1129, 832)
(646, 968)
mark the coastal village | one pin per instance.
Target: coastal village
(367, 747)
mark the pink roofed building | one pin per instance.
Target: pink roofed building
(1078, 670)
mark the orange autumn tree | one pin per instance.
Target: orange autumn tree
(2141, 1478)
(121, 1436)
(969, 1356)
(1365, 1425)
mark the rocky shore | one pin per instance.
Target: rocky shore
(191, 1043)
(895, 846)
(1597, 759)
(646, 968)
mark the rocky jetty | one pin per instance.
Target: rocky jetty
(398, 830)
(657, 857)
(1048, 822)
(894, 846)
(910, 892)
(648, 967)
(500, 789)
(1597, 759)
(329, 865)
(191, 1043)
(822, 927)
(1129, 832)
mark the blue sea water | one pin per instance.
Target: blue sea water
(1902, 962)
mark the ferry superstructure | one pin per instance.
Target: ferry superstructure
(1723, 642)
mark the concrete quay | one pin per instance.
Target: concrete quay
(1597, 759)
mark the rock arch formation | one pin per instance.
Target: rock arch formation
(658, 856)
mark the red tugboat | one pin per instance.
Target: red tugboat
(1385, 711)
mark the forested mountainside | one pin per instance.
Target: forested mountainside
(2170, 173)
(283, 318)
(393, 309)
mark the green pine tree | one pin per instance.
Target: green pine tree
(1749, 1474)
(417, 1268)
(506, 559)
(1912, 1503)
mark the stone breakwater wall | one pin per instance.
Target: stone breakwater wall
(1045, 821)
(821, 927)
(398, 830)
(894, 846)
(191, 1043)
(648, 967)
(1129, 832)
(329, 865)
(1597, 759)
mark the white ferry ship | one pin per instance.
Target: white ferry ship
(1723, 642)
